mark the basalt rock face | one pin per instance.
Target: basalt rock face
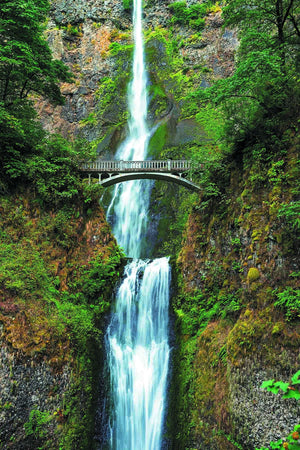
(28, 385)
(236, 260)
(89, 37)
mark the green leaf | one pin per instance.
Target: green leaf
(296, 378)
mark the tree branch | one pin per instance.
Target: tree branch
(23, 89)
(252, 97)
(295, 24)
(287, 12)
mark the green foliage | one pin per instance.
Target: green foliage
(289, 301)
(182, 394)
(115, 48)
(262, 96)
(19, 135)
(290, 389)
(23, 272)
(213, 179)
(111, 107)
(26, 63)
(50, 164)
(37, 423)
(26, 68)
(54, 171)
(72, 30)
(93, 282)
(127, 4)
(57, 317)
(192, 16)
(157, 141)
(291, 214)
(230, 439)
(88, 298)
(90, 120)
(198, 309)
(276, 18)
(290, 443)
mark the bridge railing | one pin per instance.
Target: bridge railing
(137, 166)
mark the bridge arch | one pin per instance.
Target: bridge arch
(120, 178)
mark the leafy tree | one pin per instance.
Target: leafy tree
(278, 19)
(262, 97)
(19, 136)
(54, 170)
(26, 68)
(26, 63)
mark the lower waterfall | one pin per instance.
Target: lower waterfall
(138, 355)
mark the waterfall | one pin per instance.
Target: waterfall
(137, 336)
(139, 355)
(131, 199)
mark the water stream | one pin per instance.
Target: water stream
(137, 336)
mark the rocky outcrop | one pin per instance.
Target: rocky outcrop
(258, 416)
(81, 34)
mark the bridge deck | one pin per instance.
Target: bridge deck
(137, 166)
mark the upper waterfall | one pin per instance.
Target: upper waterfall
(131, 199)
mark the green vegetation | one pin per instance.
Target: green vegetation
(127, 5)
(73, 30)
(234, 300)
(26, 61)
(36, 425)
(55, 290)
(237, 293)
(291, 214)
(289, 301)
(192, 16)
(27, 69)
(261, 100)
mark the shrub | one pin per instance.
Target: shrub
(36, 424)
(192, 16)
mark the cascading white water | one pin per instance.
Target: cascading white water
(130, 200)
(139, 356)
(137, 336)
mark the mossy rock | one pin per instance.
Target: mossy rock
(253, 274)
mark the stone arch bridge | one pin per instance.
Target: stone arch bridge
(113, 172)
